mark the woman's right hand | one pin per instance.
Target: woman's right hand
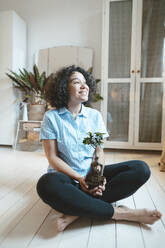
(95, 191)
(83, 184)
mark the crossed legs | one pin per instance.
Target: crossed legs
(123, 179)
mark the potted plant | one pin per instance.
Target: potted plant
(95, 176)
(32, 85)
(96, 97)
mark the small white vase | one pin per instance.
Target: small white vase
(24, 112)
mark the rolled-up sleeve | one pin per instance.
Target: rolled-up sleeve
(48, 130)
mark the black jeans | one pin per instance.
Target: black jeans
(64, 195)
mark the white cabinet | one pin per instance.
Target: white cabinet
(13, 57)
(133, 79)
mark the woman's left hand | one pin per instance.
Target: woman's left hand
(98, 190)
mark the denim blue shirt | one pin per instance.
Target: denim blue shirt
(60, 124)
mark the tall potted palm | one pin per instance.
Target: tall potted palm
(32, 85)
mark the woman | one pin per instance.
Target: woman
(63, 130)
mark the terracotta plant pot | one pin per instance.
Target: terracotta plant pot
(36, 112)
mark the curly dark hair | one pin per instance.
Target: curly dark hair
(56, 90)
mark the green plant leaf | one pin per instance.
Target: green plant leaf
(97, 97)
(36, 75)
(97, 81)
(90, 70)
(26, 73)
(94, 139)
(17, 81)
(43, 80)
(33, 82)
(22, 74)
(24, 82)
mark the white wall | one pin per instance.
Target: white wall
(12, 56)
(60, 22)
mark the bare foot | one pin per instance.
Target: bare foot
(64, 220)
(144, 215)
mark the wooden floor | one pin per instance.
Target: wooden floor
(25, 221)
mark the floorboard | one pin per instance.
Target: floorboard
(153, 235)
(24, 231)
(102, 233)
(128, 232)
(47, 234)
(13, 216)
(25, 221)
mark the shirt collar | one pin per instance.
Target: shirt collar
(83, 112)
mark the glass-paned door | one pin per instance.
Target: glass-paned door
(120, 82)
(118, 111)
(149, 73)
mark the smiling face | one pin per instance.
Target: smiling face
(78, 89)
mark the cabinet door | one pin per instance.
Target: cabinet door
(120, 77)
(149, 73)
